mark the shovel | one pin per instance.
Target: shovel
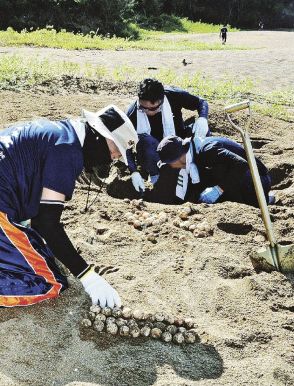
(274, 256)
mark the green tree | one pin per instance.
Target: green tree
(112, 16)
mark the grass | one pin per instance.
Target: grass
(18, 72)
(149, 40)
(275, 110)
(179, 25)
(199, 27)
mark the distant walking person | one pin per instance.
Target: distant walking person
(223, 34)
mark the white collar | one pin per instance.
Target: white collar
(191, 167)
(143, 124)
(188, 160)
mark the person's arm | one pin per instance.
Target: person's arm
(190, 102)
(132, 113)
(232, 159)
(136, 177)
(47, 224)
(194, 102)
(231, 164)
(137, 180)
(214, 153)
(203, 108)
(132, 164)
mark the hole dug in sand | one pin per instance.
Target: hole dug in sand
(258, 143)
(235, 228)
(282, 176)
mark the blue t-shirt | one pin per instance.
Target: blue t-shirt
(35, 155)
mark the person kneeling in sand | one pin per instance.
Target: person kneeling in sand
(156, 114)
(214, 169)
(39, 164)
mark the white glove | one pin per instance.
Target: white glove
(99, 290)
(200, 128)
(138, 182)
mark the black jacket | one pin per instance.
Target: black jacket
(220, 161)
(178, 99)
(226, 160)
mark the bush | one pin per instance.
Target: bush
(165, 23)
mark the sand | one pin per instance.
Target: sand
(245, 318)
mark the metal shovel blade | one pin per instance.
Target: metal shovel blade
(281, 255)
(286, 257)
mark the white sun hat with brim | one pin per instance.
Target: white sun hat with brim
(113, 124)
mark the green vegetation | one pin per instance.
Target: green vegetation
(19, 72)
(166, 24)
(198, 27)
(150, 40)
(175, 25)
(275, 110)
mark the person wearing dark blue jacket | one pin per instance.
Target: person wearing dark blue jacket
(215, 169)
(39, 164)
(157, 113)
(223, 34)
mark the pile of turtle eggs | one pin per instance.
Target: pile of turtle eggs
(143, 219)
(189, 219)
(125, 322)
(196, 225)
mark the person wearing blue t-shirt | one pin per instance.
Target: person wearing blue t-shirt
(156, 114)
(39, 164)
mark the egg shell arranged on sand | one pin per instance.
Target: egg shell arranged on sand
(125, 322)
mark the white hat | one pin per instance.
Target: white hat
(113, 124)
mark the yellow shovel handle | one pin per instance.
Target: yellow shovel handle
(254, 173)
(237, 106)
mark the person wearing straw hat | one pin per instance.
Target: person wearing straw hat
(39, 164)
(212, 170)
(156, 114)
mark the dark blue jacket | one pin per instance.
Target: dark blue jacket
(220, 161)
(178, 100)
(226, 161)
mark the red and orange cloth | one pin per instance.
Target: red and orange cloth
(28, 273)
